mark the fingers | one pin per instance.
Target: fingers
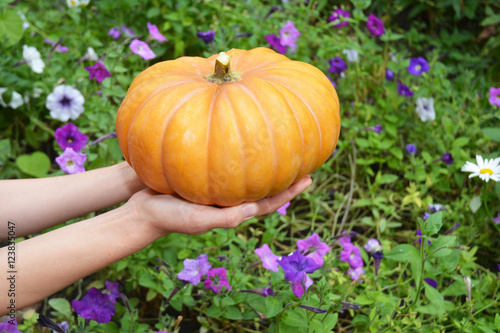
(271, 204)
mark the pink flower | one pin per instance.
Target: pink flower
(216, 278)
(99, 71)
(298, 287)
(71, 161)
(313, 248)
(153, 31)
(142, 49)
(288, 34)
(269, 259)
(282, 209)
(194, 269)
(494, 96)
(355, 273)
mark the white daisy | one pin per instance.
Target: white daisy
(486, 170)
(65, 103)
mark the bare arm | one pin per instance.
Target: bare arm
(37, 204)
(49, 262)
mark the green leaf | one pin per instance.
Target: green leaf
(492, 132)
(386, 179)
(227, 301)
(36, 164)
(403, 252)
(61, 305)
(273, 306)
(316, 326)
(296, 318)
(330, 321)
(497, 189)
(11, 27)
(233, 313)
(491, 20)
(5, 150)
(433, 224)
(434, 297)
(442, 242)
(475, 204)
(214, 311)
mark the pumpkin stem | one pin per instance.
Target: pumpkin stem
(222, 71)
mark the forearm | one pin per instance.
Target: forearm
(37, 204)
(47, 263)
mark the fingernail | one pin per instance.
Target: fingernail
(250, 210)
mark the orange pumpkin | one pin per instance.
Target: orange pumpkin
(243, 133)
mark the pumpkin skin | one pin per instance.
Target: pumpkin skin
(227, 143)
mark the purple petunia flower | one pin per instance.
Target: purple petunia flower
(216, 279)
(375, 25)
(114, 32)
(377, 128)
(372, 245)
(351, 254)
(433, 208)
(377, 259)
(494, 96)
(313, 248)
(296, 266)
(331, 80)
(447, 158)
(142, 49)
(7, 327)
(194, 269)
(68, 136)
(338, 16)
(112, 291)
(275, 43)
(411, 149)
(419, 233)
(71, 161)
(59, 47)
(282, 209)
(389, 75)
(426, 216)
(265, 292)
(418, 66)
(431, 282)
(155, 33)
(96, 306)
(288, 35)
(337, 65)
(404, 90)
(99, 71)
(206, 36)
(496, 219)
(127, 31)
(298, 286)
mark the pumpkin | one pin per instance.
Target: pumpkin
(234, 127)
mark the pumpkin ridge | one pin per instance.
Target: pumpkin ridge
(171, 114)
(254, 98)
(269, 80)
(127, 129)
(209, 127)
(294, 116)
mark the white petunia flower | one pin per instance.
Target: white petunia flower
(425, 109)
(91, 54)
(65, 103)
(77, 3)
(486, 170)
(15, 102)
(352, 55)
(33, 58)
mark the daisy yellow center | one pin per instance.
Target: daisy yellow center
(485, 170)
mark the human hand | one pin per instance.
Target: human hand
(166, 213)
